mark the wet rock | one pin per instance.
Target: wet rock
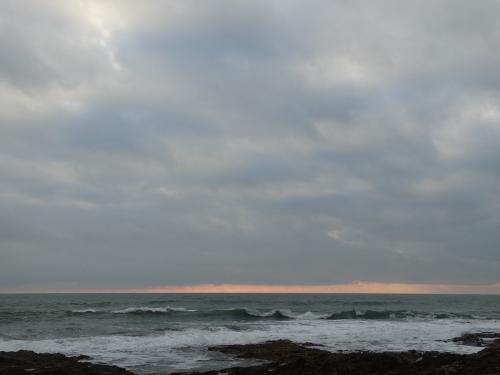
(288, 358)
(482, 339)
(24, 362)
(284, 357)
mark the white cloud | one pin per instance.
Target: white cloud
(332, 134)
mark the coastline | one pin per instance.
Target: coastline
(284, 357)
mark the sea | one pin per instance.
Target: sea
(163, 333)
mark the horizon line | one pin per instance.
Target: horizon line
(356, 287)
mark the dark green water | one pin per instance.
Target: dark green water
(157, 333)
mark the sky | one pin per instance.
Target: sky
(155, 145)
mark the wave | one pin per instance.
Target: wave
(83, 311)
(370, 314)
(455, 316)
(311, 316)
(151, 310)
(369, 303)
(395, 314)
(185, 345)
(250, 314)
(277, 314)
(235, 313)
(241, 314)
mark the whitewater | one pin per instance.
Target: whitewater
(152, 334)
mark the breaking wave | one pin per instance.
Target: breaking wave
(254, 314)
(152, 310)
(394, 314)
(83, 311)
(240, 313)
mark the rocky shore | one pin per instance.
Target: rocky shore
(25, 362)
(283, 357)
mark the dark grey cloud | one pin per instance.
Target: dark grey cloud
(249, 142)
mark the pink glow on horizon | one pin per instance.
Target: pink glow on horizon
(354, 287)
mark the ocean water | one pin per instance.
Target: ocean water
(161, 333)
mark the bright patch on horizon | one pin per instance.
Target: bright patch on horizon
(223, 145)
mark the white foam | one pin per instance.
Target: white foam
(311, 316)
(187, 348)
(285, 312)
(84, 311)
(180, 309)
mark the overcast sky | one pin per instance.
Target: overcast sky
(147, 143)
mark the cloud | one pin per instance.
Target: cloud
(170, 143)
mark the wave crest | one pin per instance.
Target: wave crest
(243, 313)
(151, 310)
(393, 314)
(240, 313)
(371, 314)
(83, 311)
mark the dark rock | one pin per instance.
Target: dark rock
(27, 362)
(287, 358)
(483, 339)
(283, 357)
